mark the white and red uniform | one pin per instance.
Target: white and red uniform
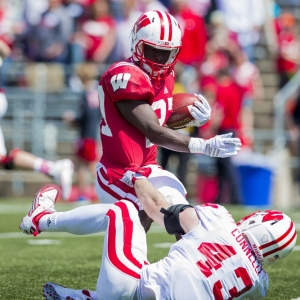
(122, 143)
(213, 261)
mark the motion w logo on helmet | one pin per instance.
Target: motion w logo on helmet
(273, 215)
(143, 21)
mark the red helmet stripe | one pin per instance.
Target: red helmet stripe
(143, 21)
(170, 27)
(279, 239)
(162, 25)
(281, 247)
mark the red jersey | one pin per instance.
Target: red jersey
(194, 37)
(122, 143)
(230, 97)
(96, 31)
(288, 52)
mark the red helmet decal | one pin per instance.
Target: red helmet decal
(162, 25)
(142, 21)
(247, 217)
(211, 205)
(272, 215)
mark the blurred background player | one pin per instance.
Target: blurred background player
(95, 36)
(60, 171)
(87, 119)
(216, 258)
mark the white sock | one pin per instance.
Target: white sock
(82, 220)
(48, 222)
(43, 165)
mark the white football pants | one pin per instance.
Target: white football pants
(124, 253)
(92, 218)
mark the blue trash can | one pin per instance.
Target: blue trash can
(256, 183)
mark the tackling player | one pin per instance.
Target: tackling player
(136, 101)
(215, 259)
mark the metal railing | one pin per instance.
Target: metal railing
(37, 112)
(34, 116)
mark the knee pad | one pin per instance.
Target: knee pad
(7, 161)
(171, 218)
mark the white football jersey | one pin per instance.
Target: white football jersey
(213, 261)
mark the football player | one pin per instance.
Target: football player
(135, 102)
(60, 171)
(215, 259)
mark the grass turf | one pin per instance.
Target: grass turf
(27, 263)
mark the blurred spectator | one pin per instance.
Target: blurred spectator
(288, 57)
(60, 171)
(182, 157)
(166, 3)
(200, 7)
(245, 18)
(147, 5)
(87, 120)
(130, 14)
(194, 33)
(207, 179)
(96, 35)
(11, 26)
(293, 125)
(229, 96)
(247, 76)
(48, 39)
(217, 56)
(219, 33)
(272, 10)
(33, 11)
(225, 119)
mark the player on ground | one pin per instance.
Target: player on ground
(60, 171)
(215, 259)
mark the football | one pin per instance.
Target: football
(181, 116)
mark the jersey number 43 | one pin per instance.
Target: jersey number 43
(215, 254)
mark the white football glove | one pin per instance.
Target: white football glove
(219, 146)
(200, 111)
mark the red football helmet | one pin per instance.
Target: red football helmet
(271, 234)
(159, 30)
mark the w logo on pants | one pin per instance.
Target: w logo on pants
(120, 81)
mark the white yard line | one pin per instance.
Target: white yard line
(17, 235)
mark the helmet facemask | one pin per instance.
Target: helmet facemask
(154, 69)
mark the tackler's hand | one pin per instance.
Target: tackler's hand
(133, 173)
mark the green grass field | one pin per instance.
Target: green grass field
(27, 263)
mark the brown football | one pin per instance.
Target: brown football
(181, 116)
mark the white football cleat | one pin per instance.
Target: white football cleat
(62, 173)
(52, 291)
(42, 204)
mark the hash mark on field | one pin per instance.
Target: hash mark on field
(162, 245)
(42, 242)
